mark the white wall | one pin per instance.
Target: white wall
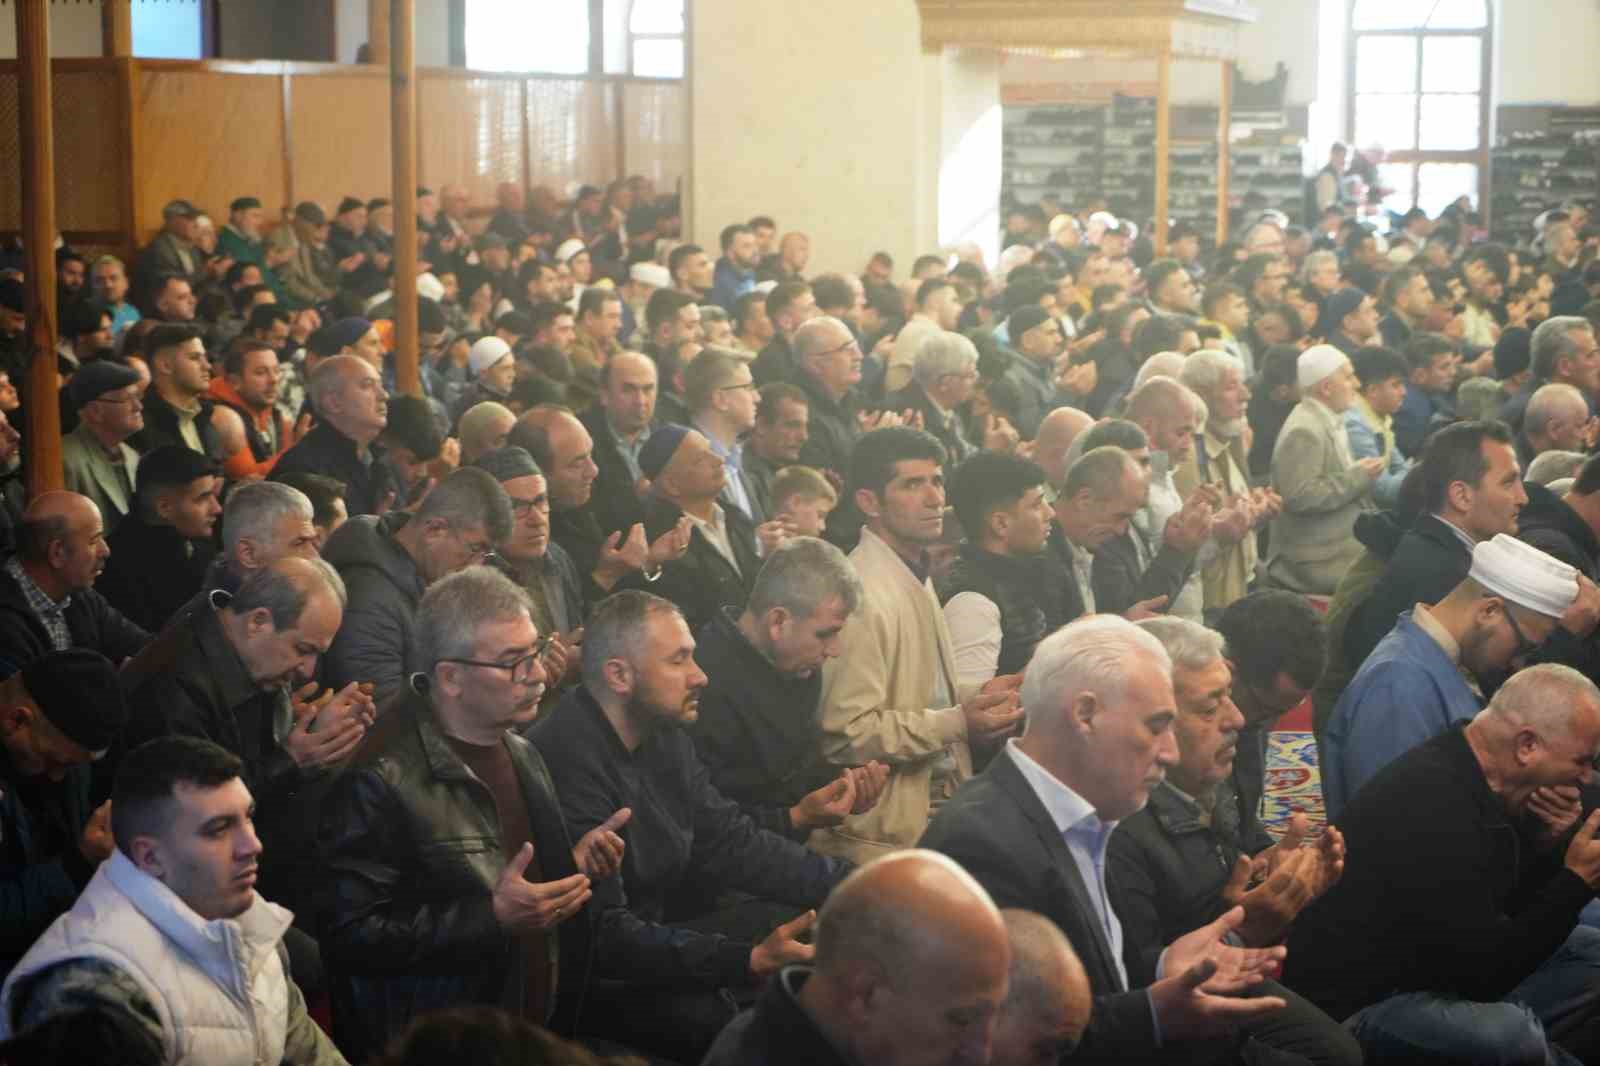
(74, 30)
(964, 97)
(350, 28)
(1545, 52)
(812, 112)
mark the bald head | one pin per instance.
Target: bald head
(60, 506)
(903, 946)
(1056, 434)
(1556, 417)
(1048, 999)
(483, 428)
(821, 334)
(62, 542)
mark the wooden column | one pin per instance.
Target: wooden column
(116, 28)
(1163, 147)
(1224, 151)
(377, 31)
(38, 234)
(403, 152)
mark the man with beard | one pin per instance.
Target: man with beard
(616, 742)
(233, 682)
(176, 408)
(254, 433)
(735, 273)
(1431, 671)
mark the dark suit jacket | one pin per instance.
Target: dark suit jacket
(702, 581)
(997, 828)
(1119, 583)
(1429, 562)
(613, 500)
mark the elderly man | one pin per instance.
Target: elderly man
(230, 682)
(620, 422)
(309, 275)
(1453, 935)
(1033, 829)
(1431, 670)
(758, 731)
(389, 562)
(1004, 593)
(62, 713)
(895, 693)
(96, 458)
(1047, 993)
(617, 742)
(494, 371)
(170, 936)
(943, 377)
(1104, 489)
(1323, 488)
(782, 427)
(1052, 447)
(452, 877)
(483, 429)
(1564, 351)
(352, 411)
(910, 952)
(47, 599)
(172, 251)
(719, 563)
(1472, 491)
(1557, 419)
(829, 369)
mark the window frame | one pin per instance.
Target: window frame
(630, 38)
(1415, 157)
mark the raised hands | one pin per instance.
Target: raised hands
(328, 727)
(1206, 975)
(521, 906)
(782, 947)
(598, 853)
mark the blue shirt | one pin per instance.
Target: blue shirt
(1408, 691)
(733, 489)
(728, 283)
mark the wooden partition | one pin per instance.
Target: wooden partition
(132, 134)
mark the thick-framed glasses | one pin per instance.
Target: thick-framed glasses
(845, 347)
(748, 385)
(521, 670)
(522, 508)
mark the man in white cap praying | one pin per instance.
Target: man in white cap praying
(1430, 671)
(1322, 486)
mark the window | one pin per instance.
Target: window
(655, 38)
(548, 37)
(1419, 86)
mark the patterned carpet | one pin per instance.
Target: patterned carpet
(1293, 783)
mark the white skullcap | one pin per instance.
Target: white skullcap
(486, 352)
(650, 274)
(764, 287)
(1524, 575)
(1317, 362)
(569, 248)
(430, 286)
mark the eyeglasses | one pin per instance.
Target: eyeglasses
(845, 347)
(1525, 647)
(521, 670)
(750, 385)
(116, 399)
(521, 508)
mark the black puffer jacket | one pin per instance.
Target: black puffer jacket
(411, 843)
(377, 639)
(1034, 595)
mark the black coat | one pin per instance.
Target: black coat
(834, 429)
(41, 869)
(1428, 562)
(613, 499)
(1119, 581)
(377, 638)
(1550, 525)
(1441, 892)
(683, 834)
(997, 828)
(91, 622)
(412, 850)
(369, 487)
(701, 581)
(759, 732)
(944, 425)
(775, 362)
(153, 570)
(777, 1031)
(161, 427)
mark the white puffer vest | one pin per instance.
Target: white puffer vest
(218, 987)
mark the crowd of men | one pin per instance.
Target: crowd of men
(717, 662)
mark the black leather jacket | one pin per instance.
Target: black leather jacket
(411, 844)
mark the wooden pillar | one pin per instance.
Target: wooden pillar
(403, 152)
(377, 31)
(1163, 148)
(38, 234)
(116, 28)
(1224, 152)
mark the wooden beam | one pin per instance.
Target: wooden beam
(1163, 148)
(1224, 152)
(403, 153)
(377, 31)
(116, 28)
(43, 409)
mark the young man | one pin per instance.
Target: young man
(170, 935)
(1370, 419)
(256, 433)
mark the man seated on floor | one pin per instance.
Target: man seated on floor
(388, 563)
(1453, 935)
(757, 731)
(910, 954)
(47, 596)
(60, 714)
(162, 550)
(1180, 863)
(1434, 667)
(618, 741)
(1033, 829)
(1004, 594)
(452, 879)
(1048, 999)
(170, 934)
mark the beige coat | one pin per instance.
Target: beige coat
(90, 472)
(1313, 540)
(1225, 577)
(875, 703)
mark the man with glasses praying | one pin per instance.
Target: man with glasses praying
(389, 562)
(452, 878)
(1433, 668)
